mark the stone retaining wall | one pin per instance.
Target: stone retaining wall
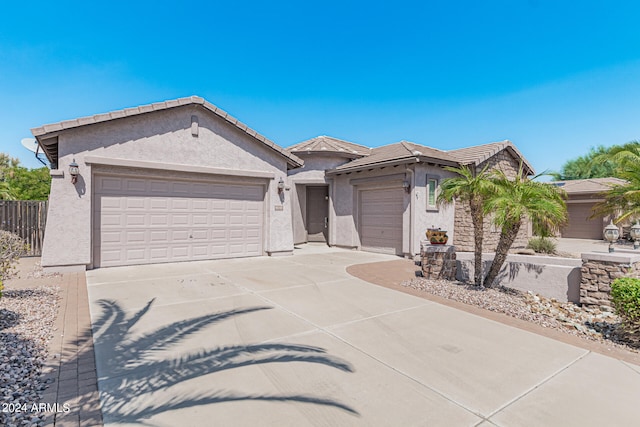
(600, 270)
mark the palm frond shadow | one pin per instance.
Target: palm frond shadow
(136, 365)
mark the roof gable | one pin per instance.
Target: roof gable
(330, 145)
(399, 152)
(46, 132)
(479, 153)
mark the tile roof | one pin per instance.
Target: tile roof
(43, 131)
(590, 185)
(328, 144)
(399, 152)
(479, 153)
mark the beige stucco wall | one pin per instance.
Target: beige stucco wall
(345, 202)
(163, 137)
(311, 173)
(442, 217)
(417, 217)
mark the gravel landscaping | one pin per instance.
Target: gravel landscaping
(597, 324)
(26, 323)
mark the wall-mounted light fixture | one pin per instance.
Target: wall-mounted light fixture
(74, 171)
(611, 234)
(407, 186)
(280, 186)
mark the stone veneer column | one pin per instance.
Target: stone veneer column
(438, 261)
(600, 269)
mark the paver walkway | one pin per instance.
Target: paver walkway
(70, 368)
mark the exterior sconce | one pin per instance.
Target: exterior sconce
(74, 170)
(280, 186)
(407, 186)
(634, 232)
(611, 234)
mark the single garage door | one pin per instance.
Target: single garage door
(146, 220)
(579, 226)
(381, 220)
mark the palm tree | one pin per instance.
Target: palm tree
(620, 156)
(515, 200)
(471, 187)
(623, 199)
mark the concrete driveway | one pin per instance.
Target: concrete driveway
(297, 341)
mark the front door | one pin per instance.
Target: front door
(317, 213)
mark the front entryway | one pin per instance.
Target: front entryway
(317, 213)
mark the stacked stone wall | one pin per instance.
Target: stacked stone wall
(438, 261)
(597, 276)
(463, 225)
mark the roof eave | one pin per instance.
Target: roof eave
(395, 162)
(334, 153)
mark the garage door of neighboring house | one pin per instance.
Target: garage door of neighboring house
(381, 220)
(579, 226)
(147, 220)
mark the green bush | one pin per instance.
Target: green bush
(625, 296)
(542, 245)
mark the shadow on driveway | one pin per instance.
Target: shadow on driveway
(131, 373)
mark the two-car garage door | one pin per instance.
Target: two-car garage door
(141, 220)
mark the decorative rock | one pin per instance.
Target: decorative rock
(23, 349)
(593, 323)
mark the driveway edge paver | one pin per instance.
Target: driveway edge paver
(70, 369)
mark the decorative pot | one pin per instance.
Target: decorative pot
(430, 232)
(438, 237)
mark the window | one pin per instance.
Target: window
(432, 193)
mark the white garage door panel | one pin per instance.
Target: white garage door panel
(141, 221)
(381, 220)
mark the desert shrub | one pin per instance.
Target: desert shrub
(625, 297)
(542, 245)
(11, 248)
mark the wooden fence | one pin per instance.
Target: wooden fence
(27, 219)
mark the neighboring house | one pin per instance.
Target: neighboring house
(582, 196)
(182, 180)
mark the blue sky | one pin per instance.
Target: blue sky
(554, 77)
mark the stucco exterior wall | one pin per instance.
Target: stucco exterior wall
(311, 173)
(463, 240)
(425, 217)
(344, 232)
(345, 202)
(552, 277)
(162, 137)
